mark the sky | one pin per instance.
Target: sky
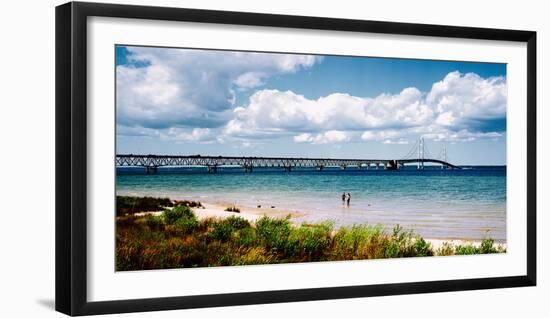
(233, 103)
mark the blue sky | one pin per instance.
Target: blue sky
(188, 101)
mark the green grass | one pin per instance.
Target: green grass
(178, 239)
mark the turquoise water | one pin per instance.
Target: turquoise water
(451, 204)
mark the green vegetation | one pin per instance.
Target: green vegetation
(176, 238)
(487, 247)
(177, 213)
(232, 208)
(191, 204)
(130, 205)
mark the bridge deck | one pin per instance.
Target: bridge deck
(213, 162)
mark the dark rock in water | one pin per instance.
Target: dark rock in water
(259, 206)
(273, 207)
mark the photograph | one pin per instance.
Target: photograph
(229, 158)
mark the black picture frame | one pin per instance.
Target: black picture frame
(71, 157)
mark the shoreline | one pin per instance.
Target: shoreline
(217, 210)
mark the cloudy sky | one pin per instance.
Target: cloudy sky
(187, 101)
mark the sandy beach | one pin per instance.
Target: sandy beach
(210, 210)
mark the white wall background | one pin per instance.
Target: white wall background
(27, 139)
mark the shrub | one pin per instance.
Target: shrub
(237, 222)
(154, 222)
(446, 249)
(392, 249)
(358, 242)
(487, 246)
(466, 249)
(273, 233)
(421, 248)
(181, 211)
(309, 241)
(233, 209)
(130, 205)
(246, 237)
(223, 229)
(404, 244)
(255, 255)
(186, 225)
(206, 224)
(189, 203)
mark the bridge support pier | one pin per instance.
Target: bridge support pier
(392, 165)
(212, 169)
(151, 169)
(320, 168)
(288, 168)
(248, 169)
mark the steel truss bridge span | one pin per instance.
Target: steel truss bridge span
(153, 162)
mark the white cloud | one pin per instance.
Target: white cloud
(190, 95)
(459, 98)
(274, 111)
(305, 137)
(380, 135)
(387, 136)
(250, 80)
(192, 88)
(457, 103)
(328, 137)
(188, 135)
(399, 141)
(462, 136)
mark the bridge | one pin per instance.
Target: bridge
(152, 162)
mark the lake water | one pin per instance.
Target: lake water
(436, 203)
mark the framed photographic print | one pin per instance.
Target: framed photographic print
(209, 158)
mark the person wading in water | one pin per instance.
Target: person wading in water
(343, 198)
(348, 198)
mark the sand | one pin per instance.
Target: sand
(247, 213)
(211, 210)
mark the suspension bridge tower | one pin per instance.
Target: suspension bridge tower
(421, 153)
(444, 156)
